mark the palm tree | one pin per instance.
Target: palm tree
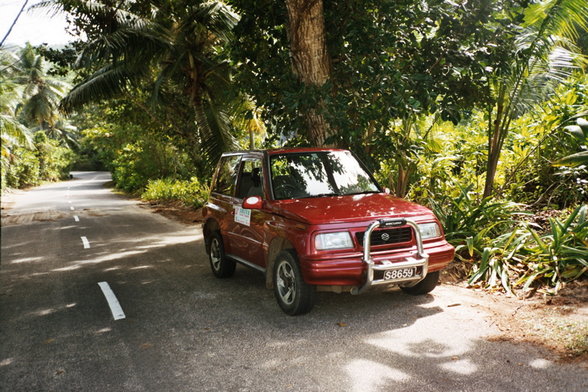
(41, 93)
(544, 54)
(164, 43)
(13, 134)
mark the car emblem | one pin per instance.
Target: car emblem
(385, 237)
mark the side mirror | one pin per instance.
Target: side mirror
(252, 203)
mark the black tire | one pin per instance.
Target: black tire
(221, 265)
(424, 286)
(293, 295)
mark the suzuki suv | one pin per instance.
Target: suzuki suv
(316, 219)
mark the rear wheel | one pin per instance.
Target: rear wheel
(424, 286)
(293, 295)
(222, 267)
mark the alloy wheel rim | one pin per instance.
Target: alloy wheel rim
(286, 283)
(215, 258)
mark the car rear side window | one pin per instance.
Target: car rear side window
(225, 182)
(251, 179)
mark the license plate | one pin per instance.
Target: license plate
(400, 273)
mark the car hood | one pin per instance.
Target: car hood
(352, 208)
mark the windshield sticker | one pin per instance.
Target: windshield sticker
(243, 216)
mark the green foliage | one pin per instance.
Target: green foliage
(28, 104)
(580, 133)
(23, 171)
(390, 60)
(54, 160)
(524, 256)
(540, 138)
(471, 224)
(144, 160)
(191, 193)
(439, 158)
(46, 161)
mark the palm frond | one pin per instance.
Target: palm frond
(15, 132)
(169, 69)
(563, 17)
(577, 159)
(39, 109)
(220, 139)
(107, 82)
(125, 43)
(118, 11)
(218, 17)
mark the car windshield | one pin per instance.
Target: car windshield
(317, 174)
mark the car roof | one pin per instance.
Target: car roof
(301, 149)
(283, 151)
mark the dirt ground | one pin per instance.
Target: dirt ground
(559, 323)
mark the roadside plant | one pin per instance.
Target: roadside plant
(524, 257)
(557, 256)
(579, 132)
(469, 223)
(190, 192)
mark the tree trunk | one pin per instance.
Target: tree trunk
(402, 183)
(492, 165)
(310, 61)
(496, 134)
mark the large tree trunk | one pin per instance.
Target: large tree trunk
(310, 61)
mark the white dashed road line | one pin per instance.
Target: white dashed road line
(85, 242)
(115, 308)
(76, 218)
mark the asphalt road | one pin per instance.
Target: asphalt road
(185, 330)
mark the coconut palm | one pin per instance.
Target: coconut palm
(161, 43)
(545, 55)
(13, 134)
(40, 96)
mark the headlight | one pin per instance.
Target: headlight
(429, 230)
(341, 240)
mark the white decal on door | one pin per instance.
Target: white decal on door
(243, 216)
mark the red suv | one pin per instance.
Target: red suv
(315, 219)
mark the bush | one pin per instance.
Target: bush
(47, 162)
(469, 224)
(524, 256)
(191, 193)
(138, 163)
(54, 160)
(22, 170)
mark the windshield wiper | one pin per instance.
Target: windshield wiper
(361, 193)
(325, 195)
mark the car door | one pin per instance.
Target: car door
(223, 200)
(248, 239)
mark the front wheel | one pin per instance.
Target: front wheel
(293, 295)
(424, 286)
(222, 267)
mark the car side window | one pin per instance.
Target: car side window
(251, 179)
(225, 182)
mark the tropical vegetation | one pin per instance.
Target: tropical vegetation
(36, 138)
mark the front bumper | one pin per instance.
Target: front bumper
(420, 260)
(364, 270)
